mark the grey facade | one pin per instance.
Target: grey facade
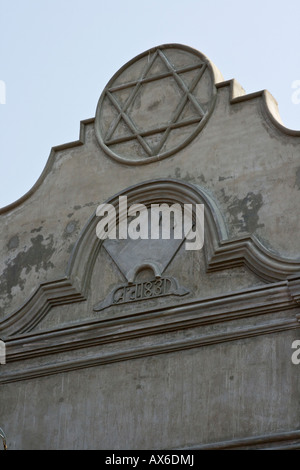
(142, 344)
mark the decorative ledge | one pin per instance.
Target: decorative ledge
(278, 441)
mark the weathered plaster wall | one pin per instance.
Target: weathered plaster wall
(247, 165)
(212, 394)
(175, 371)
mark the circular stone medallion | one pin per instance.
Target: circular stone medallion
(155, 104)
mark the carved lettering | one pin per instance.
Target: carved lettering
(119, 295)
(142, 291)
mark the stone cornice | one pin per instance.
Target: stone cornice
(47, 295)
(282, 441)
(167, 329)
(238, 305)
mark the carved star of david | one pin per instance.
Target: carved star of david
(131, 119)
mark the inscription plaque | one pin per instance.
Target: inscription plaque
(142, 291)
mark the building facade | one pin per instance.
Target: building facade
(133, 342)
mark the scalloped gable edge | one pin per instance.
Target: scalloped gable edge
(49, 164)
(237, 95)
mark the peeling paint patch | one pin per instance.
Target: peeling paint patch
(36, 229)
(13, 242)
(187, 177)
(222, 178)
(224, 197)
(70, 248)
(297, 182)
(88, 204)
(70, 228)
(244, 212)
(36, 257)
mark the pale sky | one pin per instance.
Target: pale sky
(57, 56)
